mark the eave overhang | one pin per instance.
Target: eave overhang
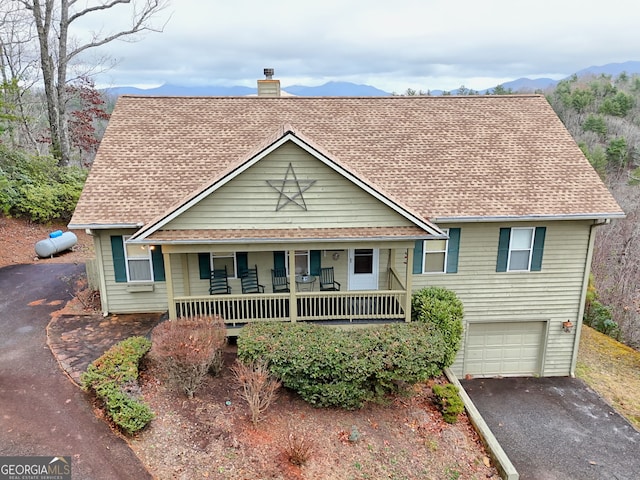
(530, 218)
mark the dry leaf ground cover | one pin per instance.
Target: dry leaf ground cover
(212, 436)
(613, 370)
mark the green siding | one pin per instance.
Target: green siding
(248, 202)
(552, 294)
(120, 299)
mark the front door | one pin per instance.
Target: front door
(363, 269)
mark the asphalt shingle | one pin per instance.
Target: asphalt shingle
(442, 157)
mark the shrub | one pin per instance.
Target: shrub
(259, 388)
(298, 448)
(449, 401)
(599, 317)
(186, 349)
(37, 188)
(108, 376)
(442, 309)
(328, 367)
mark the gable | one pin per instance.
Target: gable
(313, 196)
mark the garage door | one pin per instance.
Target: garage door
(504, 349)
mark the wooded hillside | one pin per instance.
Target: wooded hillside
(603, 115)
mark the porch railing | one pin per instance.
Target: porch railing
(328, 307)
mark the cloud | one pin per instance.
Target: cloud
(416, 43)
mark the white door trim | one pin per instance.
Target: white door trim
(364, 281)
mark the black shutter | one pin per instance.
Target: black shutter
(538, 248)
(418, 253)
(314, 262)
(158, 264)
(453, 249)
(119, 265)
(204, 264)
(503, 249)
(242, 258)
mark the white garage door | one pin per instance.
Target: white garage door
(504, 349)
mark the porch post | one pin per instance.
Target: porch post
(169, 279)
(408, 285)
(293, 304)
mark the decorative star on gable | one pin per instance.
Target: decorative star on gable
(291, 189)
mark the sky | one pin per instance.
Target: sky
(392, 45)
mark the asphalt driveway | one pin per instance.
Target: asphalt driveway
(557, 429)
(41, 411)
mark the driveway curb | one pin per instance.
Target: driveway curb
(503, 464)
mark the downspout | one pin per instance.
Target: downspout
(104, 297)
(583, 295)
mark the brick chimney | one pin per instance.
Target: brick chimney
(268, 87)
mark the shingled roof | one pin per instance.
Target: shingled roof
(445, 158)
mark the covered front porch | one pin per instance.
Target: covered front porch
(374, 285)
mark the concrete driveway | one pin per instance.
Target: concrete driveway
(41, 411)
(557, 429)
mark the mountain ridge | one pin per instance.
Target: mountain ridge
(348, 89)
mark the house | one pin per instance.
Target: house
(240, 207)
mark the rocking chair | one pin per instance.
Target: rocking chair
(279, 281)
(327, 283)
(219, 282)
(249, 281)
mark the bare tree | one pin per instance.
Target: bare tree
(18, 73)
(616, 261)
(53, 20)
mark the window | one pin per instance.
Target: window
(435, 255)
(219, 260)
(138, 262)
(301, 261)
(520, 249)
(438, 255)
(363, 260)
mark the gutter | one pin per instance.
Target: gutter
(494, 449)
(599, 217)
(102, 226)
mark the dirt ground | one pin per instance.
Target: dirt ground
(211, 435)
(19, 237)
